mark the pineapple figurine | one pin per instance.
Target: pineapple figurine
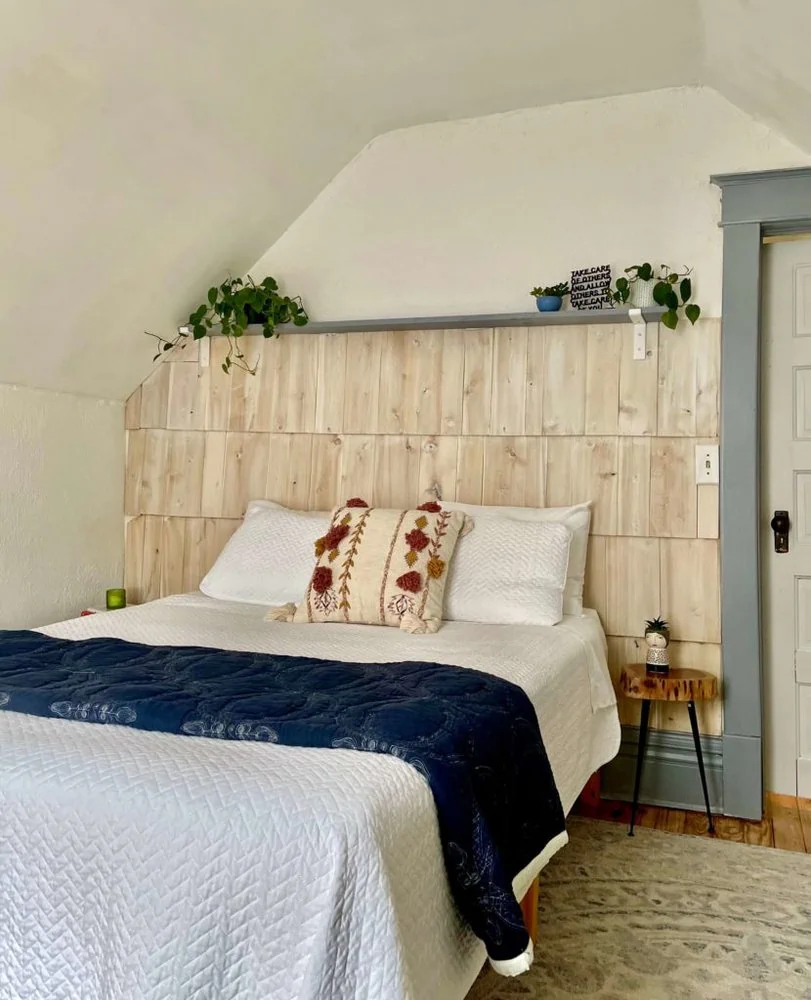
(657, 637)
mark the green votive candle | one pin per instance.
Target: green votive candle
(116, 598)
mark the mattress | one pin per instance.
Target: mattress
(214, 869)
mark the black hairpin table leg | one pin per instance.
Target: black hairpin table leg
(691, 710)
(640, 756)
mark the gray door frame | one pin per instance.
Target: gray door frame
(754, 205)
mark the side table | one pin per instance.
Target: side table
(679, 684)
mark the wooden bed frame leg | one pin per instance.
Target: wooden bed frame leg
(529, 908)
(589, 801)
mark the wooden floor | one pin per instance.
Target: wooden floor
(787, 823)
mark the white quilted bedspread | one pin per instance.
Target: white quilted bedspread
(147, 866)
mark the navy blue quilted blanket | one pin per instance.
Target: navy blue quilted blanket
(473, 736)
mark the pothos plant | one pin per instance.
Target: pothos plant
(232, 307)
(672, 289)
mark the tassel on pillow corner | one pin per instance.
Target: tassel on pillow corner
(282, 613)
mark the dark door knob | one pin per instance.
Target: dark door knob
(780, 524)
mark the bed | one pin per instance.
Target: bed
(147, 866)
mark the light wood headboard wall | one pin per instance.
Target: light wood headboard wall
(521, 416)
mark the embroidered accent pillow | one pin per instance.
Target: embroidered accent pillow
(383, 567)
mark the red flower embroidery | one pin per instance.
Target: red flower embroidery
(417, 539)
(356, 502)
(410, 581)
(432, 507)
(335, 536)
(322, 579)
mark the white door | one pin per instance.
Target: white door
(786, 485)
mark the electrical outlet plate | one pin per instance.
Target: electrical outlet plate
(706, 464)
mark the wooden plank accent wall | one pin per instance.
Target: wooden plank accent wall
(521, 416)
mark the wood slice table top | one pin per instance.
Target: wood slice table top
(680, 684)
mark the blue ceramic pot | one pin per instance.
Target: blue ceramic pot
(549, 303)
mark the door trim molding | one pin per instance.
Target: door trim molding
(754, 205)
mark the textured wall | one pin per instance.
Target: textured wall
(61, 496)
(526, 416)
(465, 217)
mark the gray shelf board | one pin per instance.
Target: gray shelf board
(566, 317)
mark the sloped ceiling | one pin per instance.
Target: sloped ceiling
(758, 54)
(149, 148)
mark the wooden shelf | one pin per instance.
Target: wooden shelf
(566, 317)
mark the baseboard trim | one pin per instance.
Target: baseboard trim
(670, 776)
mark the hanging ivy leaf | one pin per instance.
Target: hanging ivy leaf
(692, 312)
(660, 292)
(671, 319)
(686, 289)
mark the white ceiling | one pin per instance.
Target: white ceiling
(151, 147)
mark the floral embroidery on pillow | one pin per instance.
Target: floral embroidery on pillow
(356, 577)
(324, 599)
(400, 603)
(417, 539)
(332, 540)
(410, 581)
(435, 567)
(349, 561)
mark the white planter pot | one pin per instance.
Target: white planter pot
(642, 294)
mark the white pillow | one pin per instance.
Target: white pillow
(269, 559)
(509, 572)
(576, 518)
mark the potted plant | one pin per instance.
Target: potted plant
(644, 286)
(231, 308)
(550, 299)
(657, 639)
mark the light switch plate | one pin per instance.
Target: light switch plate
(706, 464)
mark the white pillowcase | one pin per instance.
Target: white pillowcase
(577, 519)
(509, 572)
(270, 558)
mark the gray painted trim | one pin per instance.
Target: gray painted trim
(753, 205)
(798, 226)
(567, 317)
(743, 776)
(670, 776)
(765, 196)
(758, 176)
(740, 514)
(740, 509)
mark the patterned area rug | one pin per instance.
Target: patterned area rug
(666, 917)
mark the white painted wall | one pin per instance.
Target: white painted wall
(466, 216)
(61, 504)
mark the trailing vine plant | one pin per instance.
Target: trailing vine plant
(231, 308)
(673, 290)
